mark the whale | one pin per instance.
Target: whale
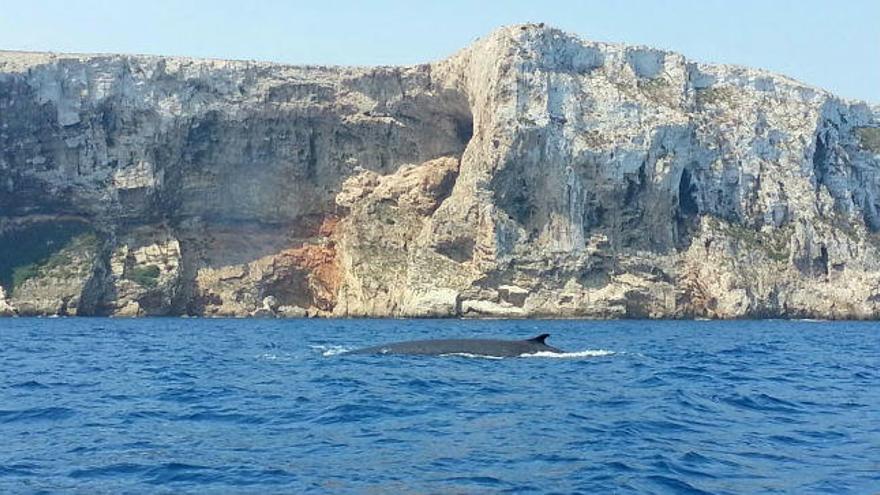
(475, 347)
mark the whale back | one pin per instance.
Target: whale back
(477, 347)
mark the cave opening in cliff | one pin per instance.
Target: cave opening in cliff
(688, 210)
(687, 196)
(464, 128)
(820, 160)
(448, 119)
(821, 264)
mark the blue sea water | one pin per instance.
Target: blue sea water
(269, 406)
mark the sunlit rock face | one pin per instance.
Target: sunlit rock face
(530, 174)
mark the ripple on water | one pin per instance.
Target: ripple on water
(36, 414)
(224, 417)
(109, 471)
(675, 485)
(30, 385)
(18, 470)
(762, 403)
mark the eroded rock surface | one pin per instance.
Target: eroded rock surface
(531, 174)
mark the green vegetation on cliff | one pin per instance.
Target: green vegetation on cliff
(869, 138)
(775, 244)
(146, 276)
(26, 251)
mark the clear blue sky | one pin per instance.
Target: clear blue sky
(834, 44)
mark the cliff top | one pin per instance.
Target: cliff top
(541, 39)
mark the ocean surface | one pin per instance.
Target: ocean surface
(269, 406)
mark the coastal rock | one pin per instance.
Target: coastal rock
(531, 174)
(5, 308)
(48, 279)
(479, 308)
(434, 304)
(145, 268)
(291, 312)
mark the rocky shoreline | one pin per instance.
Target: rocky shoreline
(530, 175)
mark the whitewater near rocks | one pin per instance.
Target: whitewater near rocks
(532, 174)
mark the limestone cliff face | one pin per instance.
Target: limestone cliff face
(530, 174)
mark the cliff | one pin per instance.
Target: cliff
(530, 174)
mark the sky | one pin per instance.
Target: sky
(830, 44)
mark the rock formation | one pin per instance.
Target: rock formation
(532, 174)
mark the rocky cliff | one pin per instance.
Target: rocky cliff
(530, 174)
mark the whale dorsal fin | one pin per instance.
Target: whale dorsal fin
(539, 339)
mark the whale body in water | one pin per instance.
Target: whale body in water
(476, 347)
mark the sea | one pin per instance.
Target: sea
(264, 406)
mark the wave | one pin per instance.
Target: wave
(32, 384)
(469, 355)
(276, 356)
(331, 350)
(36, 414)
(588, 353)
